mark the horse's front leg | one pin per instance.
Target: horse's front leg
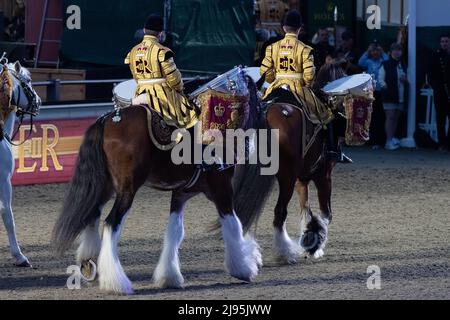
(8, 220)
(167, 273)
(242, 254)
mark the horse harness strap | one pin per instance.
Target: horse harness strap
(307, 142)
(198, 171)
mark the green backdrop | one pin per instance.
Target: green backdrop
(213, 35)
(210, 35)
(107, 29)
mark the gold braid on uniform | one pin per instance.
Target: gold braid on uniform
(154, 69)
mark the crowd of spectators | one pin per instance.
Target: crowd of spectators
(389, 71)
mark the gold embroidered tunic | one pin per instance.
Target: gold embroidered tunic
(154, 69)
(289, 62)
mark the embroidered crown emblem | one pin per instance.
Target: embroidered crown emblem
(219, 110)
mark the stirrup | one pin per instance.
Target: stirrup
(204, 167)
(339, 157)
(216, 165)
(224, 167)
(346, 159)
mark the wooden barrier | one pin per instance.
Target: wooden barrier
(68, 92)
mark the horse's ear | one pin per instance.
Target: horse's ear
(17, 66)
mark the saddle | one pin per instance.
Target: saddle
(311, 123)
(159, 131)
(218, 112)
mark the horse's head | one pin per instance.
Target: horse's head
(329, 73)
(17, 93)
(25, 97)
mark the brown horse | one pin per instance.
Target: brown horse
(296, 171)
(117, 159)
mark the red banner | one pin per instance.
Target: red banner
(49, 155)
(221, 112)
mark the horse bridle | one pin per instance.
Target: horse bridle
(32, 107)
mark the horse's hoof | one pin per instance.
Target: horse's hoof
(88, 270)
(25, 264)
(319, 254)
(309, 240)
(244, 280)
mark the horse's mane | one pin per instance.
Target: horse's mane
(327, 74)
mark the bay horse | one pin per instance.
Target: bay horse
(116, 159)
(17, 94)
(296, 171)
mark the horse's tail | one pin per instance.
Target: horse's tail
(89, 189)
(251, 188)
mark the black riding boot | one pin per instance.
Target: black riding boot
(334, 151)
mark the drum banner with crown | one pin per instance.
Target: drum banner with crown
(222, 111)
(358, 112)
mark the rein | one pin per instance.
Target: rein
(21, 117)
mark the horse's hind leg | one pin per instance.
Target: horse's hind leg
(90, 242)
(89, 247)
(316, 235)
(285, 250)
(303, 194)
(111, 274)
(309, 240)
(242, 255)
(167, 273)
(8, 220)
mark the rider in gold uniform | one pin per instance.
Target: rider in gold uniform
(160, 85)
(289, 64)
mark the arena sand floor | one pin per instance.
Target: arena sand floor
(391, 210)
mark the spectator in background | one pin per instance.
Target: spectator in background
(371, 62)
(322, 49)
(372, 59)
(392, 80)
(440, 81)
(348, 52)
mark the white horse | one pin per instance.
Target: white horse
(23, 98)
